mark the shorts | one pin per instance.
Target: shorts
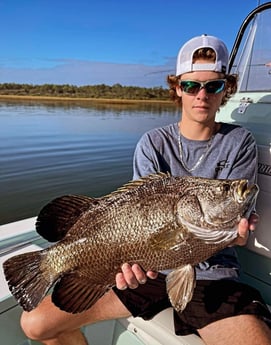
(212, 300)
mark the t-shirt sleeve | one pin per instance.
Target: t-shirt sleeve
(144, 160)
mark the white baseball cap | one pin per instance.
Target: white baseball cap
(185, 56)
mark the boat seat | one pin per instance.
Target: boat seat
(159, 330)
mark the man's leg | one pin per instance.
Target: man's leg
(237, 330)
(51, 326)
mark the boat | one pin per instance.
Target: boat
(250, 107)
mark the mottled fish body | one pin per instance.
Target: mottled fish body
(160, 222)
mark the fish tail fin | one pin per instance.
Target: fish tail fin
(27, 282)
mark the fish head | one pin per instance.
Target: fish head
(210, 205)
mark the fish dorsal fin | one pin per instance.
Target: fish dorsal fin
(180, 286)
(139, 182)
(58, 216)
(75, 294)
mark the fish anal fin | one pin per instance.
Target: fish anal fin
(75, 294)
(58, 216)
(180, 286)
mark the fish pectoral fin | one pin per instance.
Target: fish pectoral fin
(58, 216)
(75, 294)
(167, 238)
(180, 286)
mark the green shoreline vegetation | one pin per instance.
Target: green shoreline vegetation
(96, 93)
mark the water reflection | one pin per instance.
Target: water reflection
(113, 106)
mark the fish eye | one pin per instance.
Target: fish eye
(226, 187)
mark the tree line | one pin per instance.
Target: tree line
(88, 91)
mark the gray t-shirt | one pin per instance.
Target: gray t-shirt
(232, 154)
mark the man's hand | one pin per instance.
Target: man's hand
(132, 276)
(244, 228)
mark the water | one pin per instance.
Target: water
(51, 149)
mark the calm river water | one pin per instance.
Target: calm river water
(51, 149)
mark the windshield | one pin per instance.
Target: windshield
(252, 62)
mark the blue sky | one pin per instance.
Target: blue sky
(87, 42)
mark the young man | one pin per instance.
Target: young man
(222, 310)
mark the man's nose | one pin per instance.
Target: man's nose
(202, 93)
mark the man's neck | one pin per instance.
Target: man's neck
(198, 131)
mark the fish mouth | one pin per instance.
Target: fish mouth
(244, 192)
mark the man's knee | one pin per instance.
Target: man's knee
(34, 326)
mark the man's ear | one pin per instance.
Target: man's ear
(179, 91)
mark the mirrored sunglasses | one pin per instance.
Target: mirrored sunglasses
(211, 86)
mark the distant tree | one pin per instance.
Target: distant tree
(87, 91)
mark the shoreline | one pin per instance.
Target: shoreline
(82, 99)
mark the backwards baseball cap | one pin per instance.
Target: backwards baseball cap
(185, 56)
